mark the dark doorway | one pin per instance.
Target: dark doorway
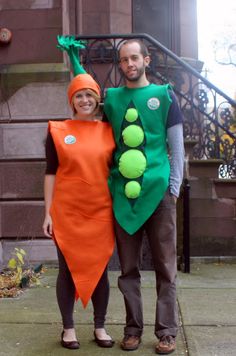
(160, 19)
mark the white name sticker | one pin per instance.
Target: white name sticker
(69, 139)
(153, 103)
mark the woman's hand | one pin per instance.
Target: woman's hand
(49, 182)
(47, 226)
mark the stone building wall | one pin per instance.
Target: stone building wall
(34, 26)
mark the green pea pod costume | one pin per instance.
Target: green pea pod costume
(139, 177)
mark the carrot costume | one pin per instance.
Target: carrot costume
(81, 208)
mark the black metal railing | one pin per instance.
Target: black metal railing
(209, 114)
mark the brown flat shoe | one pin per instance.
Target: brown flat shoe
(72, 345)
(130, 342)
(103, 343)
(166, 345)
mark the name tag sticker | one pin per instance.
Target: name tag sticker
(69, 139)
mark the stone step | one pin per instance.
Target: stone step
(21, 180)
(204, 168)
(17, 76)
(213, 208)
(41, 101)
(44, 251)
(37, 251)
(21, 219)
(225, 188)
(22, 141)
(212, 237)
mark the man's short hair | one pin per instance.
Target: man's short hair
(143, 47)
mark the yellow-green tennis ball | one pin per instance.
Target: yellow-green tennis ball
(132, 164)
(131, 115)
(133, 135)
(132, 189)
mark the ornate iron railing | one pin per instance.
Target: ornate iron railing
(209, 114)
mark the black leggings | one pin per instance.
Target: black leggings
(65, 290)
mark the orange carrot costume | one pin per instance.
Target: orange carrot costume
(81, 209)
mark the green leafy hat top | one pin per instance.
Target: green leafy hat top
(72, 46)
(82, 79)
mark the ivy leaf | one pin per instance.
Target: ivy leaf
(22, 252)
(12, 263)
(20, 257)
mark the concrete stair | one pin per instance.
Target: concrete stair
(23, 132)
(18, 76)
(212, 211)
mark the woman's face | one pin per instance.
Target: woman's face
(84, 103)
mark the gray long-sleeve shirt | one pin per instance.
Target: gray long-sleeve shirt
(176, 147)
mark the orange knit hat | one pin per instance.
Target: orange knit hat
(80, 82)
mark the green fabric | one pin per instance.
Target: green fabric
(71, 46)
(152, 104)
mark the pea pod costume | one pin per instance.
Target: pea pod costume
(140, 175)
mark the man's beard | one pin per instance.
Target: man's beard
(139, 74)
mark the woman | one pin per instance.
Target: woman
(78, 210)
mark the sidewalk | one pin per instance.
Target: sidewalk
(30, 324)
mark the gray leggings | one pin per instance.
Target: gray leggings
(65, 291)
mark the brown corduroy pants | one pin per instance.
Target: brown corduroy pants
(161, 233)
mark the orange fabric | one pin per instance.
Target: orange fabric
(82, 81)
(81, 208)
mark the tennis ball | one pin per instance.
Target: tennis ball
(132, 164)
(133, 135)
(132, 189)
(131, 115)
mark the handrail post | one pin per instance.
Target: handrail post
(186, 225)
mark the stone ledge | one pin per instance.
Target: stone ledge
(204, 168)
(23, 141)
(21, 220)
(21, 180)
(207, 228)
(36, 102)
(225, 188)
(213, 243)
(213, 208)
(16, 76)
(37, 251)
(36, 68)
(40, 251)
(213, 259)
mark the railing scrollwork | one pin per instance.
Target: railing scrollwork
(209, 114)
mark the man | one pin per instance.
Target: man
(144, 184)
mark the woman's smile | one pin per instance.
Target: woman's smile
(84, 104)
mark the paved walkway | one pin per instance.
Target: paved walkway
(30, 325)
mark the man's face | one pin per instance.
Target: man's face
(132, 62)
